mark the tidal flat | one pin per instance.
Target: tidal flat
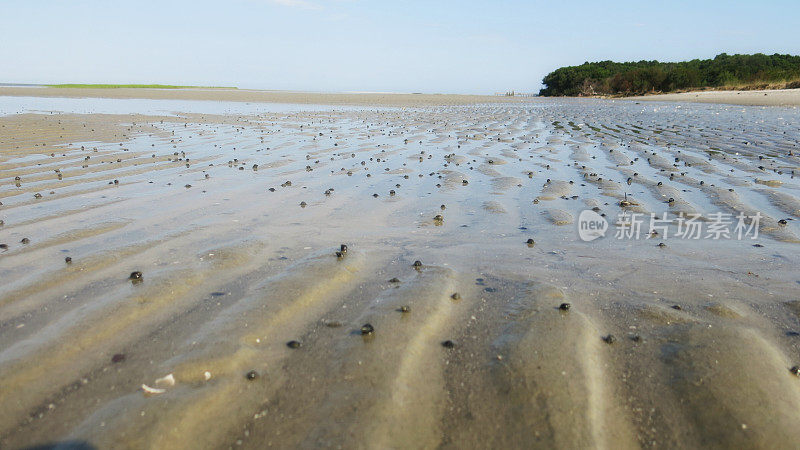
(396, 273)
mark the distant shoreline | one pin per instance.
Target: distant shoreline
(767, 97)
(131, 86)
(257, 96)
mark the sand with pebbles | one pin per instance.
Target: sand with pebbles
(234, 221)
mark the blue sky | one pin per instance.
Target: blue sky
(359, 45)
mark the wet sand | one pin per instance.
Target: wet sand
(768, 97)
(204, 304)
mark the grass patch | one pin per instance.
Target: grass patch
(133, 86)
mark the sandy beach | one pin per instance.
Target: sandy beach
(771, 97)
(394, 271)
(247, 95)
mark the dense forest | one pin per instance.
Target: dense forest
(632, 78)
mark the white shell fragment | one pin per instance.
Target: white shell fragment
(152, 391)
(161, 383)
(207, 375)
(166, 381)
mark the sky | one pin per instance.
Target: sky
(430, 46)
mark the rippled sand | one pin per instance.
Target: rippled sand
(234, 221)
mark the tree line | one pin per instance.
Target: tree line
(642, 77)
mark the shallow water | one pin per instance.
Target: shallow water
(237, 260)
(18, 105)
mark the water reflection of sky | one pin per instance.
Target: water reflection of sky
(16, 105)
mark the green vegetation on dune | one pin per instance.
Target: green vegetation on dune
(634, 78)
(133, 86)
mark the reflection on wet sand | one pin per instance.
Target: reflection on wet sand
(182, 280)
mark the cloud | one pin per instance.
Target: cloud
(302, 4)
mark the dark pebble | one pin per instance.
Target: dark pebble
(530, 242)
(294, 344)
(795, 370)
(448, 344)
(564, 306)
(68, 259)
(405, 309)
(343, 248)
(118, 358)
(367, 329)
(417, 263)
(252, 375)
(394, 280)
(456, 296)
(25, 241)
(610, 339)
(135, 275)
